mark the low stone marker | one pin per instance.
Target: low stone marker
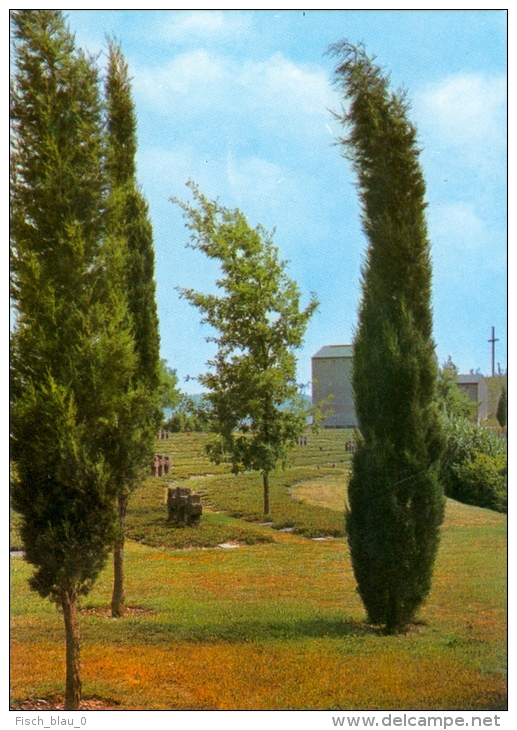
(160, 465)
(183, 506)
(163, 434)
(302, 440)
(350, 446)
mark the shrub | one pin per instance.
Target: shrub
(474, 465)
(483, 481)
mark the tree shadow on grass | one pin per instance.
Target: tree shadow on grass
(153, 632)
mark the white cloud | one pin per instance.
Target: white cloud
(159, 167)
(203, 25)
(253, 174)
(195, 79)
(467, 112)
(459, 224)
(193, 73)
(280, 83)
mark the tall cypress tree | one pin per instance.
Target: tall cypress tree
(130, 232)
(395, 499)
(71, 351)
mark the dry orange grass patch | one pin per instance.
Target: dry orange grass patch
(310, 676)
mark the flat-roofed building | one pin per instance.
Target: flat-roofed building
(332, 376)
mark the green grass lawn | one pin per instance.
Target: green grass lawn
(275, 623)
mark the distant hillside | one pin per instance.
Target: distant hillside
(197, 398)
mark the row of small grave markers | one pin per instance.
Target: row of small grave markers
(162, 464)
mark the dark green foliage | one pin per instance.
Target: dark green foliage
(395, 497)
(130, 246)
(72, 356)
(259, 325)
(68, 513)
(473, 466)
(129, 220)
(130, 242)
(69, 354)
(57, 187)
(502, 408)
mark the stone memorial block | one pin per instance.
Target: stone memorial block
(160, 465)
(183, 506)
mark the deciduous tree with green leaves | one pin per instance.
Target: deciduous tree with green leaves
(71, 350)
(130, 241)
(396, 503)
(252, 391)
(169, 395)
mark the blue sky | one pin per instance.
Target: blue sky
(239, 102)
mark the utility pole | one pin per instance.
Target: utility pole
(493, 340)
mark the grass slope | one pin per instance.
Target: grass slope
(226, 496)
(272, 625)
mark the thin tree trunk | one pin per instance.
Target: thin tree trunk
(265, 482)
(118, 597)
(73, 667)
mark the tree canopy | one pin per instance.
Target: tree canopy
(258, 323)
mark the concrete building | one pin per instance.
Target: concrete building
(332, 375)
(476, 387)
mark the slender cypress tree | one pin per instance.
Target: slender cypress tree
(131, 447)
(395, 498)
(71, 353)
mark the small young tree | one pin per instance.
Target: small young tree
(71, 353)
(502, 408)
(452, 401)
(129, 448)
(395, 498)
(252, 389)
